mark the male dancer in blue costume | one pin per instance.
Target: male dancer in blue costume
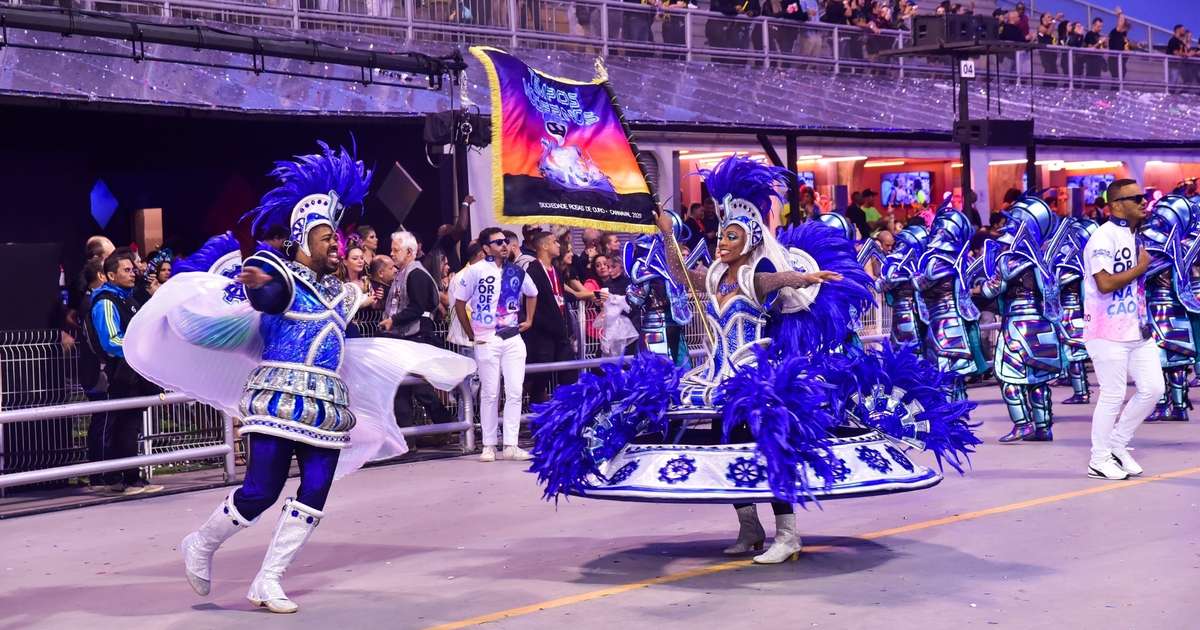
(662, 304)
(1170, 303)
(896, 284)
(271, 347)
(943, 280)
(1029, 353)
(295, 403)
(1191, 246)
(1068, 264)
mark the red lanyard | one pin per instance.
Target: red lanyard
(555, 287)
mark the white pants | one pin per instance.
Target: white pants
(495, 358)
(1115, 361)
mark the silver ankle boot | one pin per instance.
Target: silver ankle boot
(750, 532)
(199, 546)
(295, 525)
(786, 545)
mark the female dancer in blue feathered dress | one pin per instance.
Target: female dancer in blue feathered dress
(785, 408)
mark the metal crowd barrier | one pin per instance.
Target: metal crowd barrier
(181, 451)
(225, 450)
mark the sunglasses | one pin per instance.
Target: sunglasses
(1139, 198)
(497, 242)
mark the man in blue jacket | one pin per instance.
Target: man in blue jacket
(112, 308)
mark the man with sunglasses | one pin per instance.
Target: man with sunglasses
(1117, 332)
(493, 288)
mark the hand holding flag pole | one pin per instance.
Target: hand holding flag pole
(665, 220)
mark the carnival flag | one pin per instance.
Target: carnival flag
(561, 152)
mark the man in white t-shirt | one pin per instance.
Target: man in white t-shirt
(492, 289)
(1117, 332)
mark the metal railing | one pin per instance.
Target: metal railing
(40, 374)
(621, 29)
(53, 413)
(224, 450)
(169, 439)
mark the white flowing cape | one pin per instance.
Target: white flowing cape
(189, 339)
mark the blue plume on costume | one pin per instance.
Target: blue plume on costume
(316, 174)
(587, 423)
(941, 426)
(787, 409)
(744, 178)
(833, 315)
(205, 257)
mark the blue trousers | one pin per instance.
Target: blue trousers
(270, 460)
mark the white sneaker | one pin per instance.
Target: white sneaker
(488, 454)
(1107, 469)
(1127, 463)
(516, 453)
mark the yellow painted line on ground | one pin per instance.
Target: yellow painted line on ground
(740, 564)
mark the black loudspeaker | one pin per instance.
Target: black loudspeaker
(935, 30)
(928, 30)
(841, 198)
(457, 127)
(994, 133)
(972, 28)
(398, 192)
(32, 278)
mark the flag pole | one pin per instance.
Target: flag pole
(602, 78)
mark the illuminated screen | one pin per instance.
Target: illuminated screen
(905, 188)
(1093, 185)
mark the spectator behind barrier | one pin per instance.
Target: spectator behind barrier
(455, 333)
(98, 247)
(514, 250)
(411, 303)
(438, 266)
(382, 272)
(112, 308)
(549, 339)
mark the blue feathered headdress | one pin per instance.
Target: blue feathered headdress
(740, 177)
(335, 174)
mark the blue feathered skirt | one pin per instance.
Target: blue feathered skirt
(801, 428)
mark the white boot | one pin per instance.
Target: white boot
(750, 532)
(199, 546)
(786, 544)
(295, 526)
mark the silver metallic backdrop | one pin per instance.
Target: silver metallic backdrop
(674, 91)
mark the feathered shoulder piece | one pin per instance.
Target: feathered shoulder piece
(834, 312)
(335, 172)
